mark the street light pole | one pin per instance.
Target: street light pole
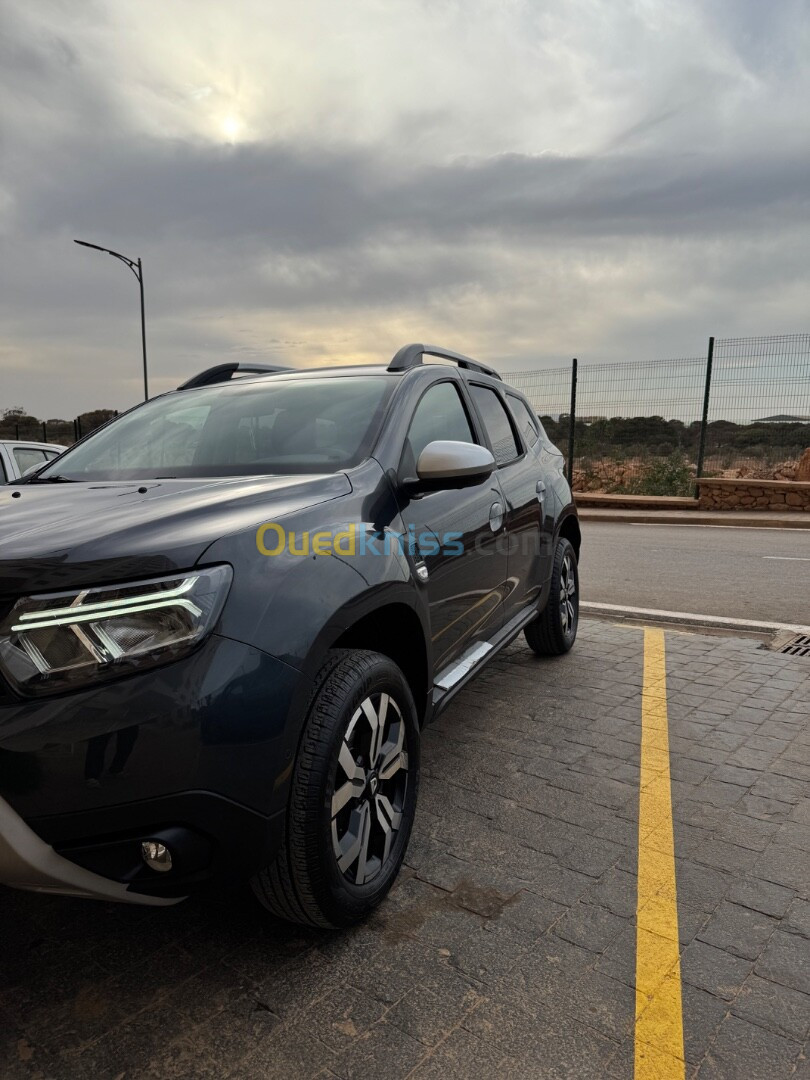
(137, 269)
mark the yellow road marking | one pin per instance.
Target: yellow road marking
(659, 1017)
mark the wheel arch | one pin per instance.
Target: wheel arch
(395, 630)
(569, 528)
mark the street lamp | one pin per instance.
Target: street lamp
(137, 269)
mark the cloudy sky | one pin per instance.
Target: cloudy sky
(310, 182)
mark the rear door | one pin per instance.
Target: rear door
(456, 532)
(521, 480)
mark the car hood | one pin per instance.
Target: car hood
(55, 536)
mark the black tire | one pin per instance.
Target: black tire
(305, 883)
(554, 630)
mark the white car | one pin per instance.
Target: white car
(18, 458)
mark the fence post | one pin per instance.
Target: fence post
(572, 416)
(44, 431)
(704, 423)
(79, 425)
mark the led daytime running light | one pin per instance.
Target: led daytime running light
(109, 609)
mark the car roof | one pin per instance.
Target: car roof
(27, 444)
(342, 371)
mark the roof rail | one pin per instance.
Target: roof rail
(411, 356)
(223, 372)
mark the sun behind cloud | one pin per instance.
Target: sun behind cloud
(232, 127)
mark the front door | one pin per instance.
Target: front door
(458, 534)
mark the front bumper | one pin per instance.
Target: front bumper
(197, 753)
(27, 862)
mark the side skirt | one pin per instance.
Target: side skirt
(455, 677)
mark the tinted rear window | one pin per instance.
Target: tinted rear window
(527, 422)
(505, 447)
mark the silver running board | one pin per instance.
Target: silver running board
(450, 676)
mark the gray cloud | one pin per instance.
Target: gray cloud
(680, 210)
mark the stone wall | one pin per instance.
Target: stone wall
(725, 494)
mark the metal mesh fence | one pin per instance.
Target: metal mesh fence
(637, 426)
(759, 407)
(61, 432)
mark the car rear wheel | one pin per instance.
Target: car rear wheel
(353, 795)
(554, 630)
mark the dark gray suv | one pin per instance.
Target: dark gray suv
(226, 616)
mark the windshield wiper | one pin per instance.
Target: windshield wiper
(57, 478)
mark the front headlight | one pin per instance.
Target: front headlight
(61, 640)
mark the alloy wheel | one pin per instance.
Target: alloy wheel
(369, 789)
(568, 595)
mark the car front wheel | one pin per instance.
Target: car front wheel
(554, 630)
(353, 795)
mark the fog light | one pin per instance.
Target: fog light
(156, 855)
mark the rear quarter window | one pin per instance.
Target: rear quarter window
(505, 446)
(527, 423)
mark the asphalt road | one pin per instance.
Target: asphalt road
(738, 573)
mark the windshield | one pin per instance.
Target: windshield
(256, 428)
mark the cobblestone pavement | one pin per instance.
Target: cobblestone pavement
(508, 947)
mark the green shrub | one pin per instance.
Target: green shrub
(664, 476)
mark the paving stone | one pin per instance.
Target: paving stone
(797, 919)
(719, 794)
(786, 960)
(462, 1056)
(786, 866)
(793, 834)
(430, 1013)
(700, 886)
(768, 809)
(490, 951)
(616, 891)
(531, 913)
(714, 970)
(722, 856)
(702, 1014)
(747, 1050)
(341, 1017)
(549, 964)
(764, 896)
(384, 1050)
(606, 1004)
(512, 953)
(561, 884)
(739, 930)
(590, 926)
(747, 832)
(772, 786)
(775, 1007)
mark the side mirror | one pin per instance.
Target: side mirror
(445, 463)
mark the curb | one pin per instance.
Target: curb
(690, 618)
(630, 517)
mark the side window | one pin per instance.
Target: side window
(439, 415)
(3, 473)
(27, 457)
(527, 423)
(496, 420)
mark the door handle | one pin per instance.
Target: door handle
(540, 488)
(495, 516)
